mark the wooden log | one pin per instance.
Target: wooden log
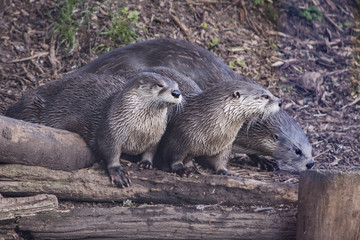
(147, 186)
(7, 231)
(36, 145)
(159, 222)
(329, 205)
(11, 208)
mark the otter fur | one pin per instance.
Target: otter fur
(114, 115)
(279, 136)
(209, 123)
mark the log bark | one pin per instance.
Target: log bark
(14, 208)
(147, 186)
(329, 205)
(11, 208)
(7, 231)
(159, 222)
(36, 145)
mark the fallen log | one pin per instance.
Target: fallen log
(11, 208)
(37, 145)
(147, 186)
(329, 205)
(159, 222)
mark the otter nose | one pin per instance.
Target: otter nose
(309, 165)
(176, 93)
(280, 102)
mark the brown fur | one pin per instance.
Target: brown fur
(210, 132)
(279, 136)
(112, 114)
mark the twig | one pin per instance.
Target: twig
(201, 2)
(52, 58)
(333, 23)
(181, 25)
(352, 103)
(250, 22)
(41, 54)
(336, 72)
(321, 154)
(316, 3)
(37, 66)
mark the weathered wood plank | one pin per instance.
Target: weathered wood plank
(159, 222)
(329, 205)
(147, 186)
(10, 208)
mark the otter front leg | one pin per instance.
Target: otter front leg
(219, 161)
(177, 164)
(118, 176)
(147, 158)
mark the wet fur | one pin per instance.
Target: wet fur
(206, 70)
(210, 132)
(112, 114)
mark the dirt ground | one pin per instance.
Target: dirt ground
(312, 64)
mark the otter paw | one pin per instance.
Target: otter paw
(223, 172)
(119, 177)
(184, 172)
(145, 164)
(180, 169)
(268, 165)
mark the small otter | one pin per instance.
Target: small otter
(210, 132)
(278, 136)
(112, 114)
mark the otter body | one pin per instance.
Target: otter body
(209, 133)
(278, 136)
(112, 114)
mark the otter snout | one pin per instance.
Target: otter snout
(310, 165)
(176, 93)
(280, 102)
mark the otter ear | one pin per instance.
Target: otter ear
(236, 94)
(275, 137)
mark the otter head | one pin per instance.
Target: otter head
(254, 100)
(159, 91)
(291, 148)
(279, 137)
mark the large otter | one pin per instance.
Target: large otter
(210, 132)
(278, 136)
(112, 114)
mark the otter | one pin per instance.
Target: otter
(114, 115)
(279, 136)
(210, 132)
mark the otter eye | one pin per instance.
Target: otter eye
(298, 151)
(236, 94)
(159, 85)
(265, 96)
